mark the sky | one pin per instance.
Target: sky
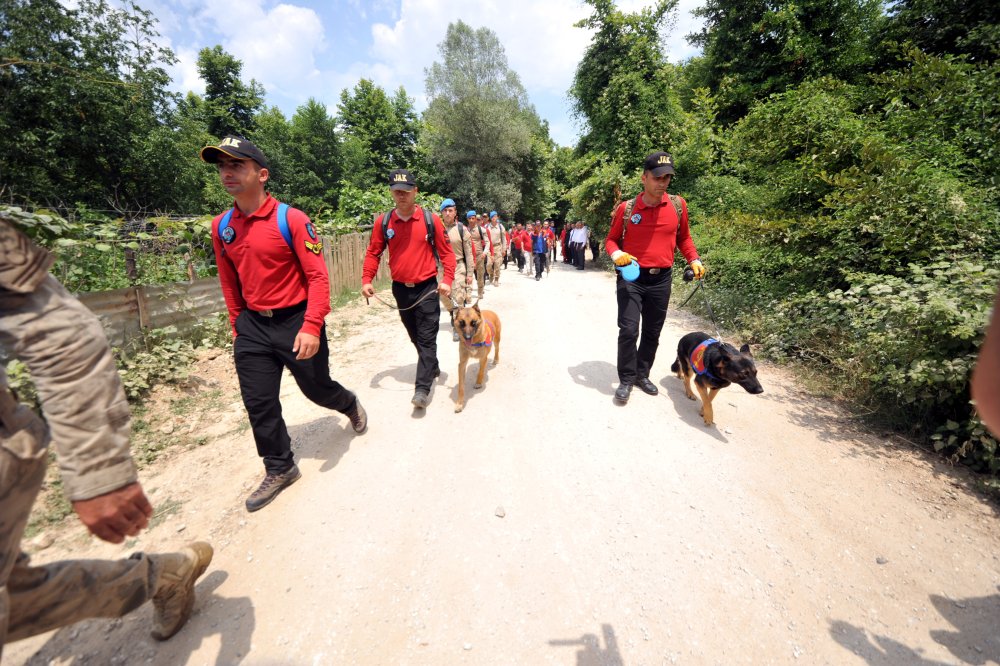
(311, 48)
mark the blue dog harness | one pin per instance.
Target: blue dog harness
(697, 358)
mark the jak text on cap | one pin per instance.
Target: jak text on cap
(401, 179)
(236, 147)
(659, 163)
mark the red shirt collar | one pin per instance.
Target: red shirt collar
(418, 215)
(641, 203)
(263, 212)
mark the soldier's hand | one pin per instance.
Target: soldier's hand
(306, 344)
(115, 515)
(468, 279)
(367, 290)
(623, 259)
(444, 289)
(698, 268)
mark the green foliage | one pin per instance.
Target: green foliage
(947, 27)
(230, 105)
(903, 346)
(753, 48)
(379, 133)
(482, 138)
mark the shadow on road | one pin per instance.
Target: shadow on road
(326, 439)
(598, 375)
(882, 651)
(404, 374)
(127, 640)
(687, 409)
(590, 652)
(977, 619)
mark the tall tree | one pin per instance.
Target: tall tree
(753, 48)
(948, 27)
(81, 90)
(379, 133)
(480, 126)
(230, 104)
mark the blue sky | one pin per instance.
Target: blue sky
(307, 48)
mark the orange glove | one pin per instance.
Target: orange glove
(698, 268)
(623, 259)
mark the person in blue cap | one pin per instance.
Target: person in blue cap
(480, 246)
(498, 246)
(465, 262)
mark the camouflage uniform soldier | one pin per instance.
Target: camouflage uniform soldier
(66, 351)
(498, 246)
(461, 244)
(480, 247)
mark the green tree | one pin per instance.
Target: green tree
(230, 104)
(753, 48)
(947, 27)
(480, 129)
(379, 133)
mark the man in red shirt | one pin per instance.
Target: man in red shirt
(277, 292)
(649, 236)
(414, 274)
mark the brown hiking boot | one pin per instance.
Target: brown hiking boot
(359, 417)
(270, 487)
(174, 599)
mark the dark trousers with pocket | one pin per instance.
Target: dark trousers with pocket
(641, 304)
(421, 324)
(539, 263)
(263, 348)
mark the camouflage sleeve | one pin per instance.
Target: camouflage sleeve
(65, 349)
(23, 265)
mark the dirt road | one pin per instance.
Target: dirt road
(545, 525)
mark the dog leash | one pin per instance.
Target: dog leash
(708, 306)
(431, 290)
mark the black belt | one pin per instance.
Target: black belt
(655, 270)
(411, 285)
(279, 312)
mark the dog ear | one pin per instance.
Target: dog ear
(745, 349)
(476, 307)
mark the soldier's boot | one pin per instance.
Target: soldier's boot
(174, 598)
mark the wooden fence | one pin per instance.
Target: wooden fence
(126, 312)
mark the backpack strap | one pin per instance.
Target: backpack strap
(629, 204)
(286, 233)
(678, 206)
(428, 223)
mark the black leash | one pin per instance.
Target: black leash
(430, 290)
(708, 306)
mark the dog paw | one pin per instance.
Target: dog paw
(709, 423)
(477, 386)
(459, 408)
(690, 396)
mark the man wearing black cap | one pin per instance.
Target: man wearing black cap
(413, 240)
(277, 291)
(647, 229)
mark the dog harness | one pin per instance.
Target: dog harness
(697, 358)
(487, 341)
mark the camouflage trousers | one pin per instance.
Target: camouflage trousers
(496, 261)
(459, 291)
(481, 273)
(34, 600)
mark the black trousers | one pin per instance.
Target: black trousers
(262, 349)
(421, 324)
(519, 258)
(578, 255)
(540, 262)
(645, 299)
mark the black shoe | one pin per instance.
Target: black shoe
(359, 417)
(622, 393)
(647, 386)
(420, 399)
(270, 487)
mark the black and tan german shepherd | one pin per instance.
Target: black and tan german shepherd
(714, 365)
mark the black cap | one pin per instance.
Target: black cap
(659, 163)
(401, 179)
(236, 147)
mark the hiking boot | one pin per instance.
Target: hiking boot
(420, 399)
(174, 598)
(270, 487)
(622, 393)
(359, 417)
(648, 387)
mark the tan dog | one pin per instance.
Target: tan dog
(478, 332)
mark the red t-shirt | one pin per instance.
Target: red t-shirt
(652, 234)
(257, 269)
(410, 255)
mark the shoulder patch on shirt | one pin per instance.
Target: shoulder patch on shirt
(228, 235)
(390, 233)
(311, 230)
(315, 248)
(636, 218)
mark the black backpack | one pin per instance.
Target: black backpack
(428, 220)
